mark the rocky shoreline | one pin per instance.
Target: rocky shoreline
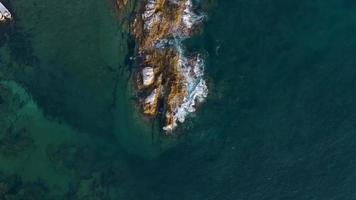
(168, 79)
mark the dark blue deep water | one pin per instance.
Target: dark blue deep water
(279, 121)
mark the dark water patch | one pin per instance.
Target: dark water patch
(74, 76)
(278, 123)
(14, 142)
(20, 45)
(13, 187)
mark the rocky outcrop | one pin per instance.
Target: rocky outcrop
(166, 75)
(4, 13)
(148, 76)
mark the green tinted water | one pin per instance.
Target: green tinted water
(279, 122)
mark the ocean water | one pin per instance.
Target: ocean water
(279, 121)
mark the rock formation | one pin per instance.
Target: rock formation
(4, 13)
(166, 76)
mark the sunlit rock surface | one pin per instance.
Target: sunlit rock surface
(147, 76)
(4, 13)
(158, 28)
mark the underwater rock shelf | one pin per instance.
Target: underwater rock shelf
(4, 13)
(169, 80)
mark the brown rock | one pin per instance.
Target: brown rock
(154, 22)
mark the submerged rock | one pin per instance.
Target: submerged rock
(14, 139)
(14, 187)
(121, 3)
(158, 28)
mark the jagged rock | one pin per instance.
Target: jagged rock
(150, 104)
(4, 13)
(147, 76)
(158, 27)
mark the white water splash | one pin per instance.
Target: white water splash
(191, 67)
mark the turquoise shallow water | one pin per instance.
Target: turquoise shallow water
(279, 121)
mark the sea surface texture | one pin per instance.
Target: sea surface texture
(279, 121)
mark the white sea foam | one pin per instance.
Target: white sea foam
(163, 43)
(193, 72)
(189, 18)
(191, 67)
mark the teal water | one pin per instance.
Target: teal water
(279, 121)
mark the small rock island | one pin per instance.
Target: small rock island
(169, 80)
